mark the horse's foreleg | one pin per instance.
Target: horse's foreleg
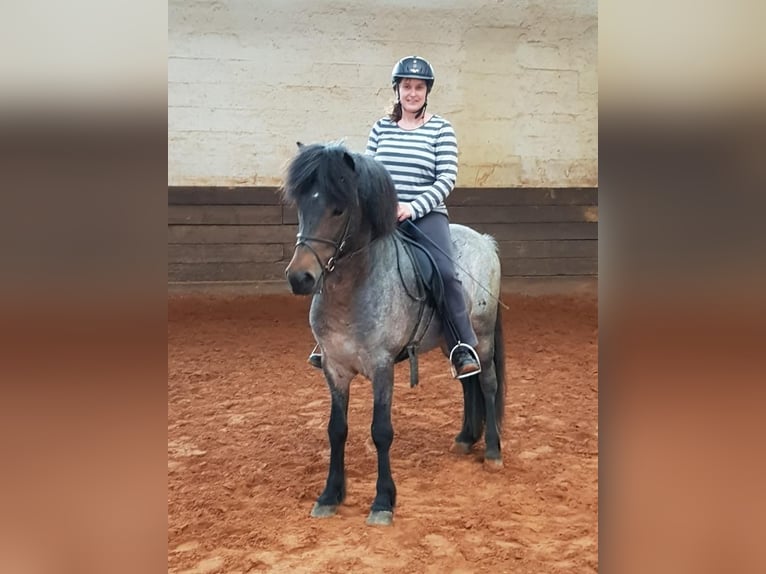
(382, 512)
(337, 430)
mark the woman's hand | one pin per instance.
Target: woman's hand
(403, 211)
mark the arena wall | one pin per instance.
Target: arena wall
(246, 80)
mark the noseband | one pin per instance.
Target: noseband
(338, 246)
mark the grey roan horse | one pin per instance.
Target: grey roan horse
(363, 314)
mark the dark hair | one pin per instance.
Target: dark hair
(396, 112)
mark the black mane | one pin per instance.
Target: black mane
(344, 179)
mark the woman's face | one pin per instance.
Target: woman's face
(412, 94)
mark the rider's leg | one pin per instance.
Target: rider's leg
(435, 226)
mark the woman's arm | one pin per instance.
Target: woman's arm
(446, 173)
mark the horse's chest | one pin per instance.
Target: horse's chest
(347, 329)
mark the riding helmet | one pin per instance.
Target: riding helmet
(413, 67)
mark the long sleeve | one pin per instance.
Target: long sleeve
(445, 151)
(372, 141)
(422, 162)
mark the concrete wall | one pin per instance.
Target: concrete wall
(246, 79)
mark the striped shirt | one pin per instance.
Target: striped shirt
(422, 162)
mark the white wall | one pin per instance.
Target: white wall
(246, 79)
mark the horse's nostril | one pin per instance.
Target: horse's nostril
(301, 283)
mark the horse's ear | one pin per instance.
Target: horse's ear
(349, 160)
(299, 144)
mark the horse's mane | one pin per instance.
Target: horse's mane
(344, 179)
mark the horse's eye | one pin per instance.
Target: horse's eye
(337, 211)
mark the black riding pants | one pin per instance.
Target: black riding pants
(435, 226)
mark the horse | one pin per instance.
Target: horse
(349, 256)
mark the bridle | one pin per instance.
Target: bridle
(338, 246)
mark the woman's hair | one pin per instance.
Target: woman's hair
(396, 112)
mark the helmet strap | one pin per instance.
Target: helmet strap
(422, 111)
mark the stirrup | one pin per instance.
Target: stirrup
(315, 358)
(472, 352)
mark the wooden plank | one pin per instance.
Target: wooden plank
(225, 214)
(513, 267)
(560, 248)
(276, 214)
(224, 196)
(226, 271)
(232, 233)
(226, 253)
(469, 196)
(538, 231)
(523, 214)
(460, 196)
(289, 215)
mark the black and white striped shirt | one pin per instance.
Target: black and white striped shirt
(422, 162)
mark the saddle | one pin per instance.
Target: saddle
(430, 294)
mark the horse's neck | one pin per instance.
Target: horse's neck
(367, 271)
(366, 296)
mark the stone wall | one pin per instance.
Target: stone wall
(247, 79)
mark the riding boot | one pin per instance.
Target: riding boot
(462, 340)
(315, 358)
(465, 361)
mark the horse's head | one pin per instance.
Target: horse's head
(322, 183)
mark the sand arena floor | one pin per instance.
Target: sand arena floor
(248, 449)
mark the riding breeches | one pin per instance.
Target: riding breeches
(435, 226)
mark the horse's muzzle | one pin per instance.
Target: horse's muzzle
(301, 282)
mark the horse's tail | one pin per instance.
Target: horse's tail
(474, 413)
(498, 359)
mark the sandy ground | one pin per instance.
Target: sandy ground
(248, 449)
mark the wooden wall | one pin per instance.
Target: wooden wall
(246, 234)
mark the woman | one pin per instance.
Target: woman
(419, 150)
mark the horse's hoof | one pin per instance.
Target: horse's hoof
(380, 518)
(493, 464)
(459, 447)
(323, 510)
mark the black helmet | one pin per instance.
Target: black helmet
(413, 67)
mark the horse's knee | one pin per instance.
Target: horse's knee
(382, 436)
(337, 431)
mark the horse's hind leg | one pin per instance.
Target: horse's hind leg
(473, 416)
(480, 410)
(494, 390)
(382, 511)
(337, 429)
(489, 387)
